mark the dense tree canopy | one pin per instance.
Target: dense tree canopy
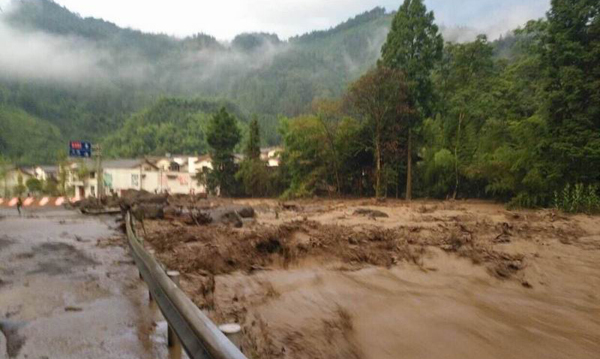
(572, 62)
(515, 120)
(381, 98)
(223, 135)
(414, 46)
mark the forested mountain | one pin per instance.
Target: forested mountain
(100, 73)
(87, 76)
(171, 125)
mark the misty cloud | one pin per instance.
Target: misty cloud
(41, 56)
(463, 20)
(460, 34)
(205, 67)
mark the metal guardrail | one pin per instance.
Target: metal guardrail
(198, 335)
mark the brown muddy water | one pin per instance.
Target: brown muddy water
(431, 280)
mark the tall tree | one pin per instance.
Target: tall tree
(329, 113)
(414, 45)
(253, 144)
(253, 172)
(465, 92)
(305, 158)
(222, 136)
(572, 58)
(380, 97)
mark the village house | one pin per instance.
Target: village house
(174, 174)
(203, 164)
(45, 173)
(156, 175)
(14, 181)
(271, 155)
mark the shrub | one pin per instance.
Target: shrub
(578, 199)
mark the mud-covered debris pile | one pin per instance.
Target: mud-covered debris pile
(188, 209)
(332, 279)
(220, 249)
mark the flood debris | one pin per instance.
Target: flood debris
(372, 213)
(5, 242)
(14, 340)
(73, 309)
(504, 236)
(322, 264)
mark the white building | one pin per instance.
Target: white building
(158, 175)
(271, 155)
(45, 173)
(174, 174)
(14, 177)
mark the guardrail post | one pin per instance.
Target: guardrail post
(172, 340)
(150, 299)
(174, 275)
(233, 332)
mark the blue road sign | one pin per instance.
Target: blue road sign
(80, 149)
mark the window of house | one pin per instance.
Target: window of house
(135, 180)
(174, 166)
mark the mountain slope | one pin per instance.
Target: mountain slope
(87, 76)
(28, 138)
(169, 126)
(124, 70)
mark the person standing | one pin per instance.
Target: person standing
(19, 205)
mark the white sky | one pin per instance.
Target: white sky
(226, 18)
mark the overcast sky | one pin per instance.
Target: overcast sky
(226, 18)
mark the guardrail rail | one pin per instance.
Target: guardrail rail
(198, 335)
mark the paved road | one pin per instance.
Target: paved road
(65, 294)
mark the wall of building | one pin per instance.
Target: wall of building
(154, 181)
(180, 183)
(11, 181)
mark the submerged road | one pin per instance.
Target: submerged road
(66, 293)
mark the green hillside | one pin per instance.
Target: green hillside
(258, 72)
(28, 138)
(169, 126)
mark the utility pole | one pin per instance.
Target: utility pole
(99, 174)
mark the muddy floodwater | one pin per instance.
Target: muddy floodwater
(360, 279)
(67, 292)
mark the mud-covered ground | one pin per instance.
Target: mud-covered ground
(361, 279)
(67, 292)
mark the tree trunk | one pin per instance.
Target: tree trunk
(397, 185)
(337, 176)
(409, 168)
(457, 143)
(378, 169)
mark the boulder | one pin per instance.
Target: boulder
(227, 216)
(243, 211)
(131, 197)
(148, 211)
